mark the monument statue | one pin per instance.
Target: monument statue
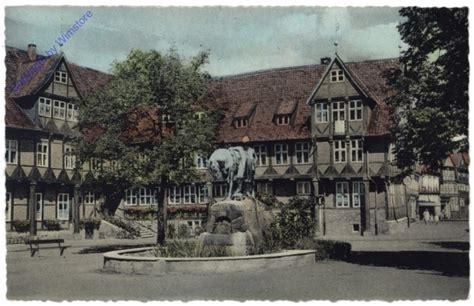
(239, 219)
(236, 165)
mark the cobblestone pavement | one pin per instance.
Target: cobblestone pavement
(78, 276)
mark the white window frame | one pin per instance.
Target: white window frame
(11, 151)
(200, 115)
(303, 188)
(358, 192)
(337, 76)
(59, 109)
(146, 196)
(63, 206)
(203, 194)
(45, 106)
(42, 152)
(200, 161)
(342, 194)
(241, 122)
(302, 150)
(265, 188)
(281, 154)
(189, 194)
(283, 120)
(338, 111)
(60, 77)
(131, 197)
(355, 110)
(322, 112)
(8, 206)
(357, 151)
(69, 158)
(89, 198)
(72, 112)
(175, 196)
(261, 153)
(220, 190)
(340, 151)
(39, 206)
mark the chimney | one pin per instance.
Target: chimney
(325, 60)
(31, 52)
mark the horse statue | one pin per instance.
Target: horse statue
(235, 165)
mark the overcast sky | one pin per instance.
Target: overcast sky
(239, 39)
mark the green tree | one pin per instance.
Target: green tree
(145, 121)
(431, 86)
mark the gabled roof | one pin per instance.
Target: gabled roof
(277, 91)
(25, 77)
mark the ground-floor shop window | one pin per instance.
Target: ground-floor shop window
(342, 194)
(39, 206)
(303, 188)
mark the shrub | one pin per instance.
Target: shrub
(21, 226)
(183, 231)
(332, 249)
(293, 226)
(95, 223)
(269, 200)
(52, 225)
(191, 248)
(171, 231)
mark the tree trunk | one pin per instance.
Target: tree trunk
(161, 211)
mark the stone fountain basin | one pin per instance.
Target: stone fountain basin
(128, 261)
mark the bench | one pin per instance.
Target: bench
(46, 244)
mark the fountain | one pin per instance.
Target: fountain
(239, 219)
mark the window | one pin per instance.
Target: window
(189, 194)
(69, 158)
(220, 190)
(342, 194)
(8, 206)
(303, 188)
(302, 152)
(147, 196)
(337, 75)
(131, 197)
(39, 206)
(283, 120)
(63, 206)
(203, 195)
(166, 118)
(338, 111)
(42, 154)
(72, 112)
(59, 110)
(175, 195)
(241, 122)
(448, 175)
(265, 188)
(200, 161)
(89, 198)
(281, 154)
(357, 194)
(261, 153)
(339, 151)
(141, 196)
(355, 110)
(356, 151)
(60, 77)
(355, 228)
(96, 164)
(11, 151)
(322, 112)
(44, 107)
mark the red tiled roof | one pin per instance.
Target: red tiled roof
(279, 91)
(458, 156)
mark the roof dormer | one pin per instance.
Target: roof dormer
(285, 112)
(243, 115)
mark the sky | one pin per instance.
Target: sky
(239, 39)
